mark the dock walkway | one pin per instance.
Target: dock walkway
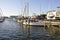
(53, 23)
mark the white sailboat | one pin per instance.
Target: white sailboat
(1, 19)
(33, 23)
(1, 16)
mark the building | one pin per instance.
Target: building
(14, 17)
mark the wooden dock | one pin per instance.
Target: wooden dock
(52, 23)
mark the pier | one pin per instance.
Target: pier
(52, 22)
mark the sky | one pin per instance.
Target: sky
(16, 7)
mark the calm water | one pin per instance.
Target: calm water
(11, 30)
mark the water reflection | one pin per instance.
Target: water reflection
(54, 31)
(10, 30)
(39, 33)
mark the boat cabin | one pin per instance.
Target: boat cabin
(53, 15)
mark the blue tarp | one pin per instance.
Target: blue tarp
(39, 17)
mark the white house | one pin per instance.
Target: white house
(52, 15)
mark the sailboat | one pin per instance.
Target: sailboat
(1, 16)
(1, 19)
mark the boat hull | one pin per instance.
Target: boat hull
(2, 19)
(34, 23)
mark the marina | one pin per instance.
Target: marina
(36, 27)
(30, 20)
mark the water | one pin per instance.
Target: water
(11, 30)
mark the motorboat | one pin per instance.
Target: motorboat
(33, 23)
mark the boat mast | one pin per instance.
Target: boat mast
(50, 5)
(40, 8)
(26, 10)
(1, 14)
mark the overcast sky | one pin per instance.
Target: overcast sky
(15, 7)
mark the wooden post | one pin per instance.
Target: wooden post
(44, 24)
(28, 32)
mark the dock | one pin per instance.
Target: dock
(52, 23)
